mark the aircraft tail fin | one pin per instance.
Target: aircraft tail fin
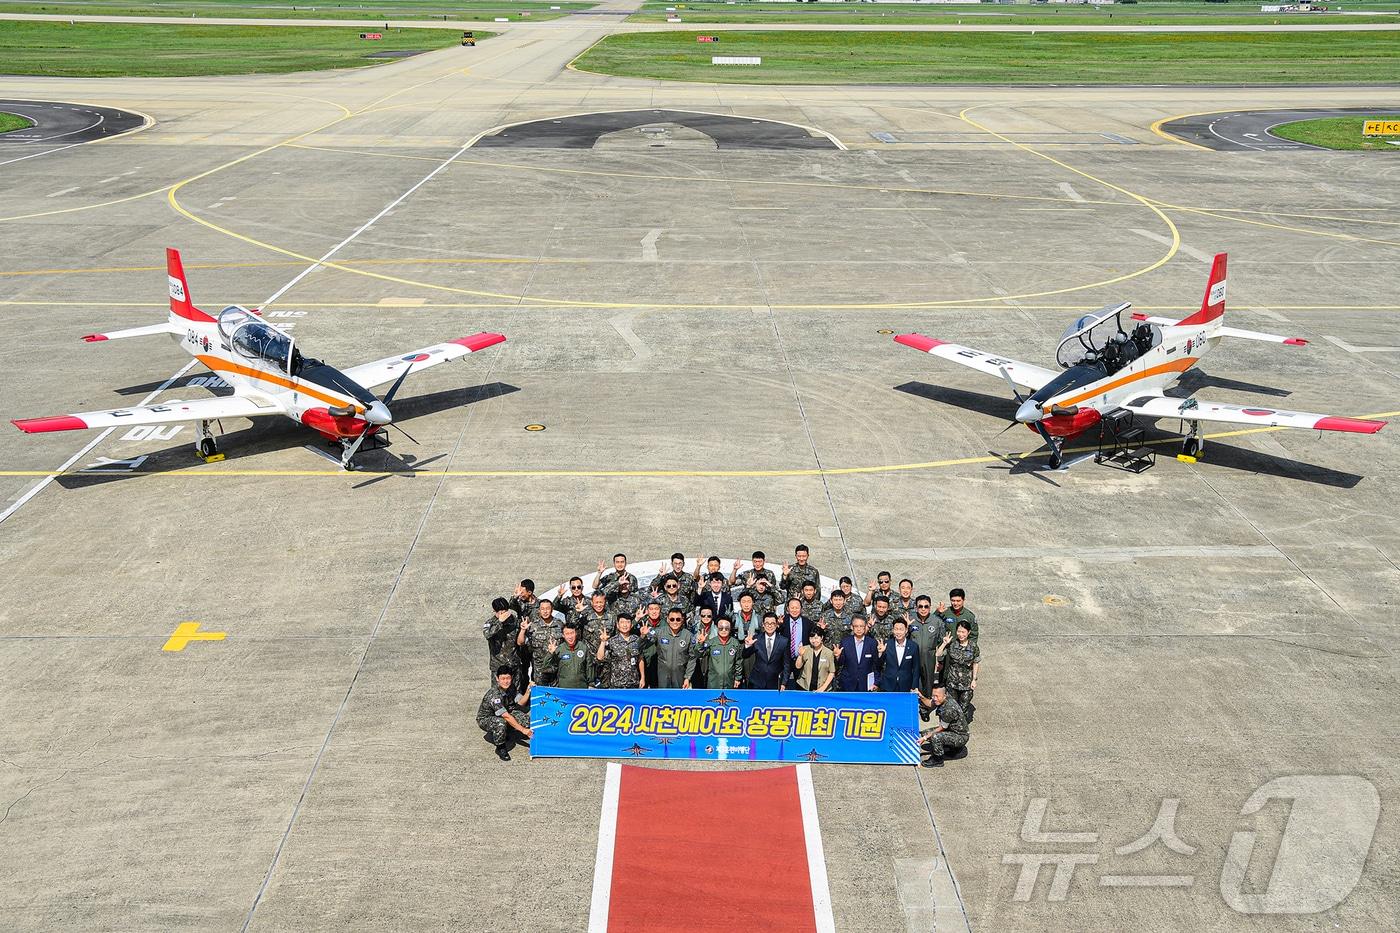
(1213, 305)
(180, 304)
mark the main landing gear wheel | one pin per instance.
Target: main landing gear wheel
(1191, 447)
(204, 444)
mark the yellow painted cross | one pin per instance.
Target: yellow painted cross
(187, 632)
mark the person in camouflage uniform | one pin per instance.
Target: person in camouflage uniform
(882, 620)
(687, 584)
(535, 638)
(745, 580)
(880, 586)
(625, 598)
(811, 599)
(956, 611)
(671, 649)
(574, 602)
(961, 659)
(838, 621)
(724, 657)
(611, 581)
(748, 620)
(674, 595)
(523, 603)
(500, 629)
(621, 654)
(504, 715)
(902, 603)
(795, 576)
(712, 565)
(765, 598)
(846, 588)
(950, 731)
(594, 620)
(570, 663)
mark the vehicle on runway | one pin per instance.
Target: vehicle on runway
(269, 376)
(1111, 365)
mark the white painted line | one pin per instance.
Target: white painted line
(65, 191)
(623, 325)
(35, 489)
(1337, 341)
(649, 244)
(113, 178)
(816, 858)
(603, 861)
(1166, 241)
(1069, 191)
(369, 223)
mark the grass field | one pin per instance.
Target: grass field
(281, 9)
(11, 121)
(1339, 133)
(111, 50)
(1024, 14)
(1005, 58)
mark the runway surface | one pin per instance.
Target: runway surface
(1249, 130)
(706, 336)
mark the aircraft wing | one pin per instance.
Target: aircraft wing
(1159, 406)
(204, 409)
(1023, 374)
(379, 372)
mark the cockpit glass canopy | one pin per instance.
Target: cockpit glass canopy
(1086, 338)
(259, 340)
(231, 317)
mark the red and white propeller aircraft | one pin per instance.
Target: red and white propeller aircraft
(1107, 367)
(268, 374)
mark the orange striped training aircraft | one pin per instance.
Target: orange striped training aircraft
(268, 374)
(1107, 367)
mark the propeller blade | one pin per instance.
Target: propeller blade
(403, 432)
(393, 389)
(1045, 435)
(1012, 383)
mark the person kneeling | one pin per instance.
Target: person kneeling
(504, 715)
(950, 731)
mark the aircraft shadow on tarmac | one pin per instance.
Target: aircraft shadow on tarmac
(1217, 453)
(268, 435)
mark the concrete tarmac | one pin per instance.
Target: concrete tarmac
(706, 336)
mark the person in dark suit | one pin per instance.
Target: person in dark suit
(714, 598)
(771, 658)
(901, 670)
(857, 659)
(794, 625)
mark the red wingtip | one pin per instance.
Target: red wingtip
(44, 425)
(1139, 316)
(1351, 425)
(1296, 342)
(919, 342)
(94, 338)
(479, 341)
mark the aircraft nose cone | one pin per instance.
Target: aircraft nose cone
(378, 413)
(1029, 412)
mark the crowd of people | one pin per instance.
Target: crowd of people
(751, 628)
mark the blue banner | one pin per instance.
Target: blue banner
(717, 725)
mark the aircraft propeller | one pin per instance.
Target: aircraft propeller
(378, 414)
(1034, 423)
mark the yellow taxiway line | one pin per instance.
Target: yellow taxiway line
(658, 474)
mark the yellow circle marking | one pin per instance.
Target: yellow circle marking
(534, 427)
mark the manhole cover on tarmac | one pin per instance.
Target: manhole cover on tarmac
(1054, 600)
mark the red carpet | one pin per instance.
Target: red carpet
(708, 851)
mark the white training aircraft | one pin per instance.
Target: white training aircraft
(268, 374)
(1107, 368)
